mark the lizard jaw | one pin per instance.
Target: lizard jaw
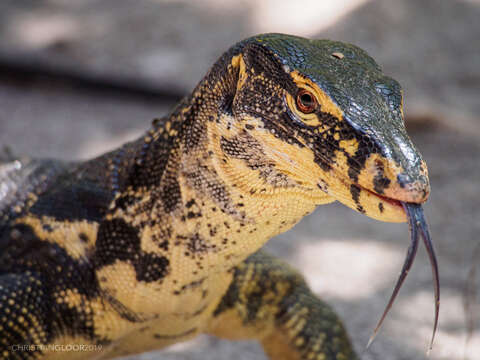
(363, 200)
(391, 201)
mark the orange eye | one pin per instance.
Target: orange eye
(306, 101)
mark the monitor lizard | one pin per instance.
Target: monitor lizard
(160, 240)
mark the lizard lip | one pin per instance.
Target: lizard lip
(397, 196)
(391, 201)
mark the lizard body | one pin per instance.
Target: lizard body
(158, 241)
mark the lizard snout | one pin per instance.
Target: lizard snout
(394, 182)
(409, 189)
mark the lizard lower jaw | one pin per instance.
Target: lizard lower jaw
(389, 200)
(397, 195)
(365, 201)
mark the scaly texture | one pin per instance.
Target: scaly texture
(158, 241)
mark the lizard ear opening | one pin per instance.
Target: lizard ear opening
(238, 63)
(227, 103)
(235, 81)
(253, 67)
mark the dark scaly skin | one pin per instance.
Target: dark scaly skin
(152, 244)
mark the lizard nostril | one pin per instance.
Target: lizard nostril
(403, 179)
(379, 166)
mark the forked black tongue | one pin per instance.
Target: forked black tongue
(417, 224)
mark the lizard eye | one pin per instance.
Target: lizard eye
(306, 101)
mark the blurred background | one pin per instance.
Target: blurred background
(78, 78)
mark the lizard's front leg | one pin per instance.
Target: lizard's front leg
(269, 301)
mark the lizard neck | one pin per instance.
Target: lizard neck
(234, 192)
(204, 188)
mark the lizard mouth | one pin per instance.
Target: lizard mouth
(399, 211)
(391, 201)
(368, 202)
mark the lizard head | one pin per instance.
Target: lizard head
(331, 120)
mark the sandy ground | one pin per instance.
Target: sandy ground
(351, 261)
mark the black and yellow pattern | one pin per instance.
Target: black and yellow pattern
(269, 301)
(152, 243)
